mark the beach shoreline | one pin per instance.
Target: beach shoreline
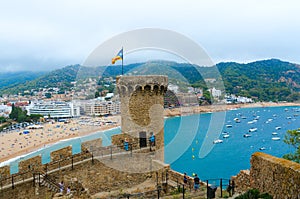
(16, 144)
(51, 133)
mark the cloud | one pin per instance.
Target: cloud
(52, 34)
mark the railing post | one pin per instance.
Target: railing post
(111, 152)
(233, 185)
(72, 162)
(12, 181)
(207, 189)
(46, 168)
(39, 179)
(158, 190)
(183, 191)
(156, 178)
(167, 175)
(221, 187)
(92, 158)
(33, 179)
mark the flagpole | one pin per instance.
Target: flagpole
(122, 59)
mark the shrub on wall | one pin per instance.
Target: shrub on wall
(254, 194)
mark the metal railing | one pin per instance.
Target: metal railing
(70, 161)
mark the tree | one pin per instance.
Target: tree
(97, 94)
(35, 117)
(2, 119)
(48, 95)
(292, 138)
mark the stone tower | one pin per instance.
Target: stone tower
(142, 106)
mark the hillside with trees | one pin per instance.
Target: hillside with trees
(266, 80)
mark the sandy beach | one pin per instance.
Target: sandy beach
(16, 143)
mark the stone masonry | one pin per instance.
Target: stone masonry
(276, 176)
(142, 100)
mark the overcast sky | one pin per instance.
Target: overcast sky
(44, 35)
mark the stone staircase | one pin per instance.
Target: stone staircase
(43, 179)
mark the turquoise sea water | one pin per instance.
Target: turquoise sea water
(184, 137)
(228, 158)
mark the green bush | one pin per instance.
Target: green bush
(254, 194)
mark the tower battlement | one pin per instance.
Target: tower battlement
(156, 84)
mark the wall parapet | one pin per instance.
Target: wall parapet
(276, 176)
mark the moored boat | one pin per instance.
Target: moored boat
(217, 141)
(275, 138)
(253, 130)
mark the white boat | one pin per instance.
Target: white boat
(225, 133)
(262, 148)
(277, 127)
(250, 122)
(217, 141)
(275, 138)
(253, 130)
(228, 125)
(237, 121)
(247, 135)
(274, 133)
(226, 136)
(244, 117)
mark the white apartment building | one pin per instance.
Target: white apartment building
(97, 107)
(5, 110)
(54, 109)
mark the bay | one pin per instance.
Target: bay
(233, 154)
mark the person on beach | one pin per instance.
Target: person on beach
(196, 182)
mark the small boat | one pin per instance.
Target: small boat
(244, 117)
(247, 135)
(217, 141)
(225, 133)
(228, 126)
(274, 133)
(275, 138)
(237, 121)
(277, 127)
(262, 148)
(253, 130)
(251, 122)
(226, 136)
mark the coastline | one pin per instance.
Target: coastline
(16, 144)
(221, 107)
(44, 137)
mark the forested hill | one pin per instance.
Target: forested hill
(16, 78)
(267, 80)
(58, 78)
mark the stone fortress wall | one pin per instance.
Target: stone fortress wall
(35, 163)
(277, 176)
